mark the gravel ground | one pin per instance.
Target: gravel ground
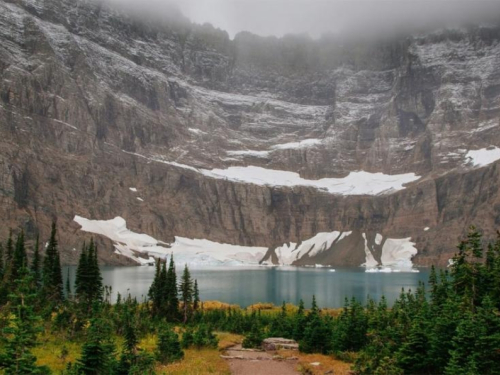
(258, 363)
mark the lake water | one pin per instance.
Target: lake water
(247, 285)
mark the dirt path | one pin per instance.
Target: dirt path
(247, 362)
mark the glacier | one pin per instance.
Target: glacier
(396, 253)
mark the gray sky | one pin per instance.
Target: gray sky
(315, 17)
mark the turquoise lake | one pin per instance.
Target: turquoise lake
(247, 285)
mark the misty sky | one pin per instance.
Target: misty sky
(315, 17)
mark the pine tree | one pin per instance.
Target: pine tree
(153, 293)
(98, 351)
(413, 357)
(172, 292)
(186, 289)
(255, 336)
(129, 356)
(81, 275)
(19, 259)
(187, 338)
(52, 273)
(36, 263)
(280, 325)
(196, 296)
(68, 286)
(163, 292)
(467, 266)
(88, 281)
(9, 249)
(317, 335)
(95, 290)
(20, 336)
(1, 263)
(168, 349)
(299, 322)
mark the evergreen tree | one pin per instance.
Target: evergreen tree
(98, 351)
(317, 334)
(413, 356)
(9, 253)
(299, 322)
(20, 335)
(95, 288)
(163, 291)
(1, 263)
(186, 289)
(154, 289)
(196, 296)
(82, 275)
(168, 349)
(19, 258)
(52, 273)
(129, 355)
(36, 263)
(281, 325)
(350, 328)
(68, 286)
(88, 281)
(187, 338)
(172, 292)
(467, 268)
(255, 336)
(204, 337)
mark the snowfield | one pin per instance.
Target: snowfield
(257, 154)
(396, 253)
(298, 145)
(356, 183)
(483, 156)
(289, 253)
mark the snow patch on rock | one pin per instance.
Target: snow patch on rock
(298, 145)
(257, 154)
(291, 252)
(483, 156)
(356, 183)
(185, 250)
(396, 253)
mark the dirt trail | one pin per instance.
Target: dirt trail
(246, 362)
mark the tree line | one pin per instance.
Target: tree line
(33, 298)
(449, 326)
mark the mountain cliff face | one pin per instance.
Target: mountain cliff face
(94, 103)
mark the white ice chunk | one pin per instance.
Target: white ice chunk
(398, 253)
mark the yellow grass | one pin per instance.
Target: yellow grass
(197, 362)
(326, 363)
(216, 305)
(49, 352)
(227, 340)
(204, 361)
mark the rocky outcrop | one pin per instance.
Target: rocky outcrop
(93, 103)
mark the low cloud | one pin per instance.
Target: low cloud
(317, 17)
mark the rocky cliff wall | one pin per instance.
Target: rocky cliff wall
(92, 102)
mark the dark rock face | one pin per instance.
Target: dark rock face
(88, 97)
